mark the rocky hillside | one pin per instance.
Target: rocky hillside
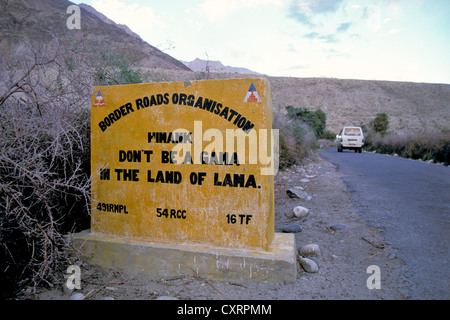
(412, 107)
(37, 22)
(107, 20)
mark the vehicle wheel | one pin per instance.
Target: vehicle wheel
(360, 150)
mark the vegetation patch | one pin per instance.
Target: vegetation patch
(425, 146)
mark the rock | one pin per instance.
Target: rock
(301, 212)
(310, 250)
(338, 226)
(309, 265)
(304, 180)
(166, 298)
(293, 193)
(107, 298)
(293, 228)
(77, 296)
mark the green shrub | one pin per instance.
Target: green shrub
(381, 123)
(112, 68)
(316, 120)
(329, 135)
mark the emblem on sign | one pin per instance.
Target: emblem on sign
(99, 102)
(252, 95)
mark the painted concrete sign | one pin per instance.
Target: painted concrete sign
(184, 162)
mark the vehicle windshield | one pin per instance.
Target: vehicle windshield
(352, 131)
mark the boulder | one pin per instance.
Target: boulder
(296, 193)
(301, 212)
(292, 228)
(309, 265)
(310, 250)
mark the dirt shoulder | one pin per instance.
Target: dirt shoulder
(345, 254)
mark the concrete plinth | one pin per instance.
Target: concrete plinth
(157, 261)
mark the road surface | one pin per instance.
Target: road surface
(409, 202)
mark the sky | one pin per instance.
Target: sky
(396, 40)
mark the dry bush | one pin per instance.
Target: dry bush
(297, 140)
(45, 154)
(425, 146)
(44, 163)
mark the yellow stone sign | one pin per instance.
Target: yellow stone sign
(184, 162)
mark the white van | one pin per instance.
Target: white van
(350, 138)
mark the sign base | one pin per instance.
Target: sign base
(155, 260)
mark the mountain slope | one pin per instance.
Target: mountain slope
(215, 66)
(411, 107)
(37, 22)
(105, 19)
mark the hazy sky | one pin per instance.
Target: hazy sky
(402, 40)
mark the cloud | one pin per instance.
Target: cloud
(355, 36)
(299, 67)
(305, 11)
(291, 48)
(332, 53)
(323, 6)
(327, 38)
(343, 27)
(137, 18)
(218, 9)
(394, 31)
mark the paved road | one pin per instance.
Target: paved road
(409, 202)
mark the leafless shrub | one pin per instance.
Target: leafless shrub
(44, 161)
(45, 152)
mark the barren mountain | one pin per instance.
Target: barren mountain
(37, 23)
(412, 107)
(215, 66)
(107, 20)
